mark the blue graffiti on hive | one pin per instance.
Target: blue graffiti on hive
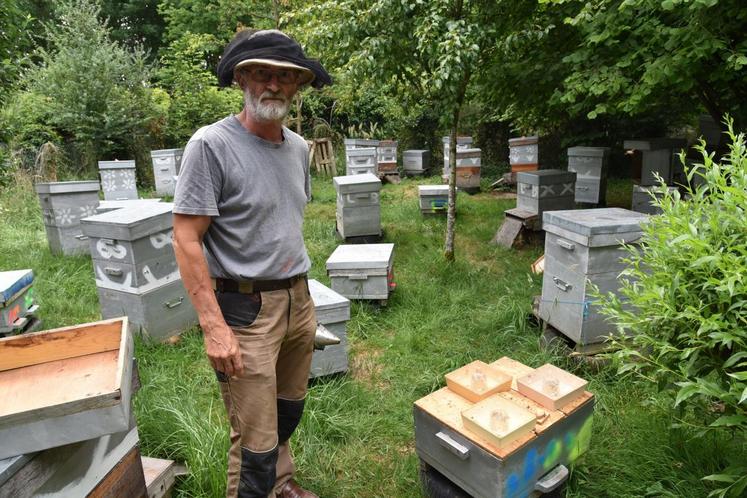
(563, 449)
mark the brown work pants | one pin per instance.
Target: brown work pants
(276, 331)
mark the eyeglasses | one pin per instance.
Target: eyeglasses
(264, 75)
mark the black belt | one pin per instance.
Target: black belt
(252, 286)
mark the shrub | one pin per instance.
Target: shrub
(686, 291)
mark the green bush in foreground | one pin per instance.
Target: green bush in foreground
(687, 311)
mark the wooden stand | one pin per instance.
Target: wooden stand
(518, 229)
(322, 156)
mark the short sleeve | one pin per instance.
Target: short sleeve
(198, 186)
(307, 180)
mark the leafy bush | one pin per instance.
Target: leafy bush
(687, 295)
(195, 100)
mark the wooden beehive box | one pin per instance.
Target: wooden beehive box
(362, 271)
(590, 166)
(551, 387)
(63, 204)
(477, 380)
(16, 299)
(545, 190)
(65, 385)
(332, 311)
(118, 180)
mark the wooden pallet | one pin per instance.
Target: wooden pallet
(322, 156)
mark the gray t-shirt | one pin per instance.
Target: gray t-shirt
(255, 191)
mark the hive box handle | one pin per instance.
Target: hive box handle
(453, 446)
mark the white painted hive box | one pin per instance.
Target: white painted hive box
(166, 165)
(63, 204)
(362, 271)
(65, 385)
(118, 180)
(332, 311)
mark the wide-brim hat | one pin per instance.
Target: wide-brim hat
(273, 48)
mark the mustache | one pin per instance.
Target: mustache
(273, 95)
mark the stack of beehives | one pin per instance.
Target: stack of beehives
(358, 209)
(135, 268)
(387, 157)
(652, 158)
(166, 164)
(590, 166)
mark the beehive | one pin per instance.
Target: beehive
(524, 153)
(360, 161)
(332, 311)
(63, 205)
(416, 162)
(433, 198)
(166, 164)
(118, 180)
(656, 159)
(545, 190)
(358, 210)
(643, 198)
(362, 271)
(590, 166)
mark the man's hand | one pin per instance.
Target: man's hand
(223, 351)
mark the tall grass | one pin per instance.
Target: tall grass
(356, 438)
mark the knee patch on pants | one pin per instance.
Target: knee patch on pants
(257, 476)
(289, 416)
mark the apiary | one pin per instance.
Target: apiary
(166, 164)
(643, 197)
(387, 157)
(416, 162)
(545, 190)
(524, 153)
(332, 311)
(135, 269)
(505, 444)
(360, 161)
(590, 166)
(17, 302)
(434, 199)
(63, 204)
(65, 385)
(362, 271)
(358, 210)
(118, 180)
(583, 247)
(656, 159)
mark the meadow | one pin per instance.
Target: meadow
(356, 438)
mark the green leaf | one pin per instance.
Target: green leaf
(729, 421)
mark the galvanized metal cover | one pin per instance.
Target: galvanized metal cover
(545, 177)
(366, 179)
(106, 206)
(594, 221)
(130, 223)
(13, 281)
(67, 187)
(328, 303)
(128, 164)
(361, 151)
(361, 257)
(588, 151)
(166, 152)
(531, 140)
(433, 190)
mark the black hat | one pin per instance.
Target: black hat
(269, 47)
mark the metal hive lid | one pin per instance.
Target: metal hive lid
(325, 298)
(130, 223)
(67, 187)
(590, 222)
(545, 177)
(127, 164)
(588, 151)
(166, 152)
(361, 257)
(12, 282)
(433, 189)
(357, 180)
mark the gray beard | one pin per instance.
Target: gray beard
(264, 111)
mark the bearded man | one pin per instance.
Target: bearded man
(238, 216)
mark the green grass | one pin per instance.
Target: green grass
(356, 438)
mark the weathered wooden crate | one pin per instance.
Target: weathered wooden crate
(358, 211)
(643, 197)
(545, 190)
(65, 385)
(71, 470)
(63, 204)
(468, 166)
(166, 164)
(332, 311)
(16, 299)
(362, 271)
(118, 180)
(416, 162)
(657, 158)
(434, 199)
(486, 465)
(582, 247)
(125, 479)
(360, 161)
(157, 313)
(524, 153)
(106, 206)
(131, 248)
(590, 166)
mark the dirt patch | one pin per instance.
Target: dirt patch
(503, 195)
(366, 367)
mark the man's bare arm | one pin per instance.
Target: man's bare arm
(221, 345)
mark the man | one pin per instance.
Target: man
(242, 189)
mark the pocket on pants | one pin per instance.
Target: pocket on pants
(239, 310)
